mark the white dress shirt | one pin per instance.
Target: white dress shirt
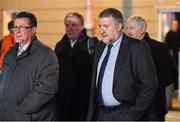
(107, 84)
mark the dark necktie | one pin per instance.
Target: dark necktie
(101, 74)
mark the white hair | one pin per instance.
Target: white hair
(140, 22)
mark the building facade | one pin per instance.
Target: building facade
(50, 13)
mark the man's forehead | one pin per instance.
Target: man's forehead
(72, 19)
(105, 20)
(21, 21)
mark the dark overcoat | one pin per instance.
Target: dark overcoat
(28, 83)
(166, 69)
(75, 65)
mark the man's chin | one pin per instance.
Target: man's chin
(105, 41)
(133, 36)
(18, 41)
(72, 38)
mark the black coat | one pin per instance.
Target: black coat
(75, 66)
(166, 71)
(134, 82)
(28, 84)
(172, 40)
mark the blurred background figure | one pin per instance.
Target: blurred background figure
(164, 62)
(172, 40)
(75, 52)
(7, 42)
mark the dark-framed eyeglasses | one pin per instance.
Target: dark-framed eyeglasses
(21, 28)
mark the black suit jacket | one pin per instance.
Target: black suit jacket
(135, 79)
(166, 71)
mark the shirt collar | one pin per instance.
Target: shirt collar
(73, 42)
(24, 47)
(115, 43)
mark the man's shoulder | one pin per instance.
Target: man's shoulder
(130, 41)
(62, 41)
(43, 53)
(42, 48)
(158, 44)
(92, 41)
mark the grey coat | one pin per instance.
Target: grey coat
(28, 83)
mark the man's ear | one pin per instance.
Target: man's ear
(120, 26)
(143, 30)
(33, 29)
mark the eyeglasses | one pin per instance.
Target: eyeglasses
(21, 28)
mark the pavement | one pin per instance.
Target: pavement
(173, 114)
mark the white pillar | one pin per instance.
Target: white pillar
(179, 79)
(90, 22)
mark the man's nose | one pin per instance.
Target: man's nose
(101, 30)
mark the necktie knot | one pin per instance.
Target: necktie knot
(109, 47)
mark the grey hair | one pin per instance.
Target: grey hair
(140, 21)
(114, 13)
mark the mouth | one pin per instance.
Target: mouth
(18, 38)
(70, 33)
(103, 35)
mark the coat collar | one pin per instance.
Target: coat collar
(27, 52)
(121, 57)
(146, 37)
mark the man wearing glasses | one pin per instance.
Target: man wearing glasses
(29, 78)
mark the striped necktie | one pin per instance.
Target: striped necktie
(20, 51)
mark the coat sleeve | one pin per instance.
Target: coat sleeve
(145, 73)
(168, 69)
(46, 84)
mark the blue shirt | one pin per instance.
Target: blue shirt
(107, 83)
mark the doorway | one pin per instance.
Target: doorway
(165, 17)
